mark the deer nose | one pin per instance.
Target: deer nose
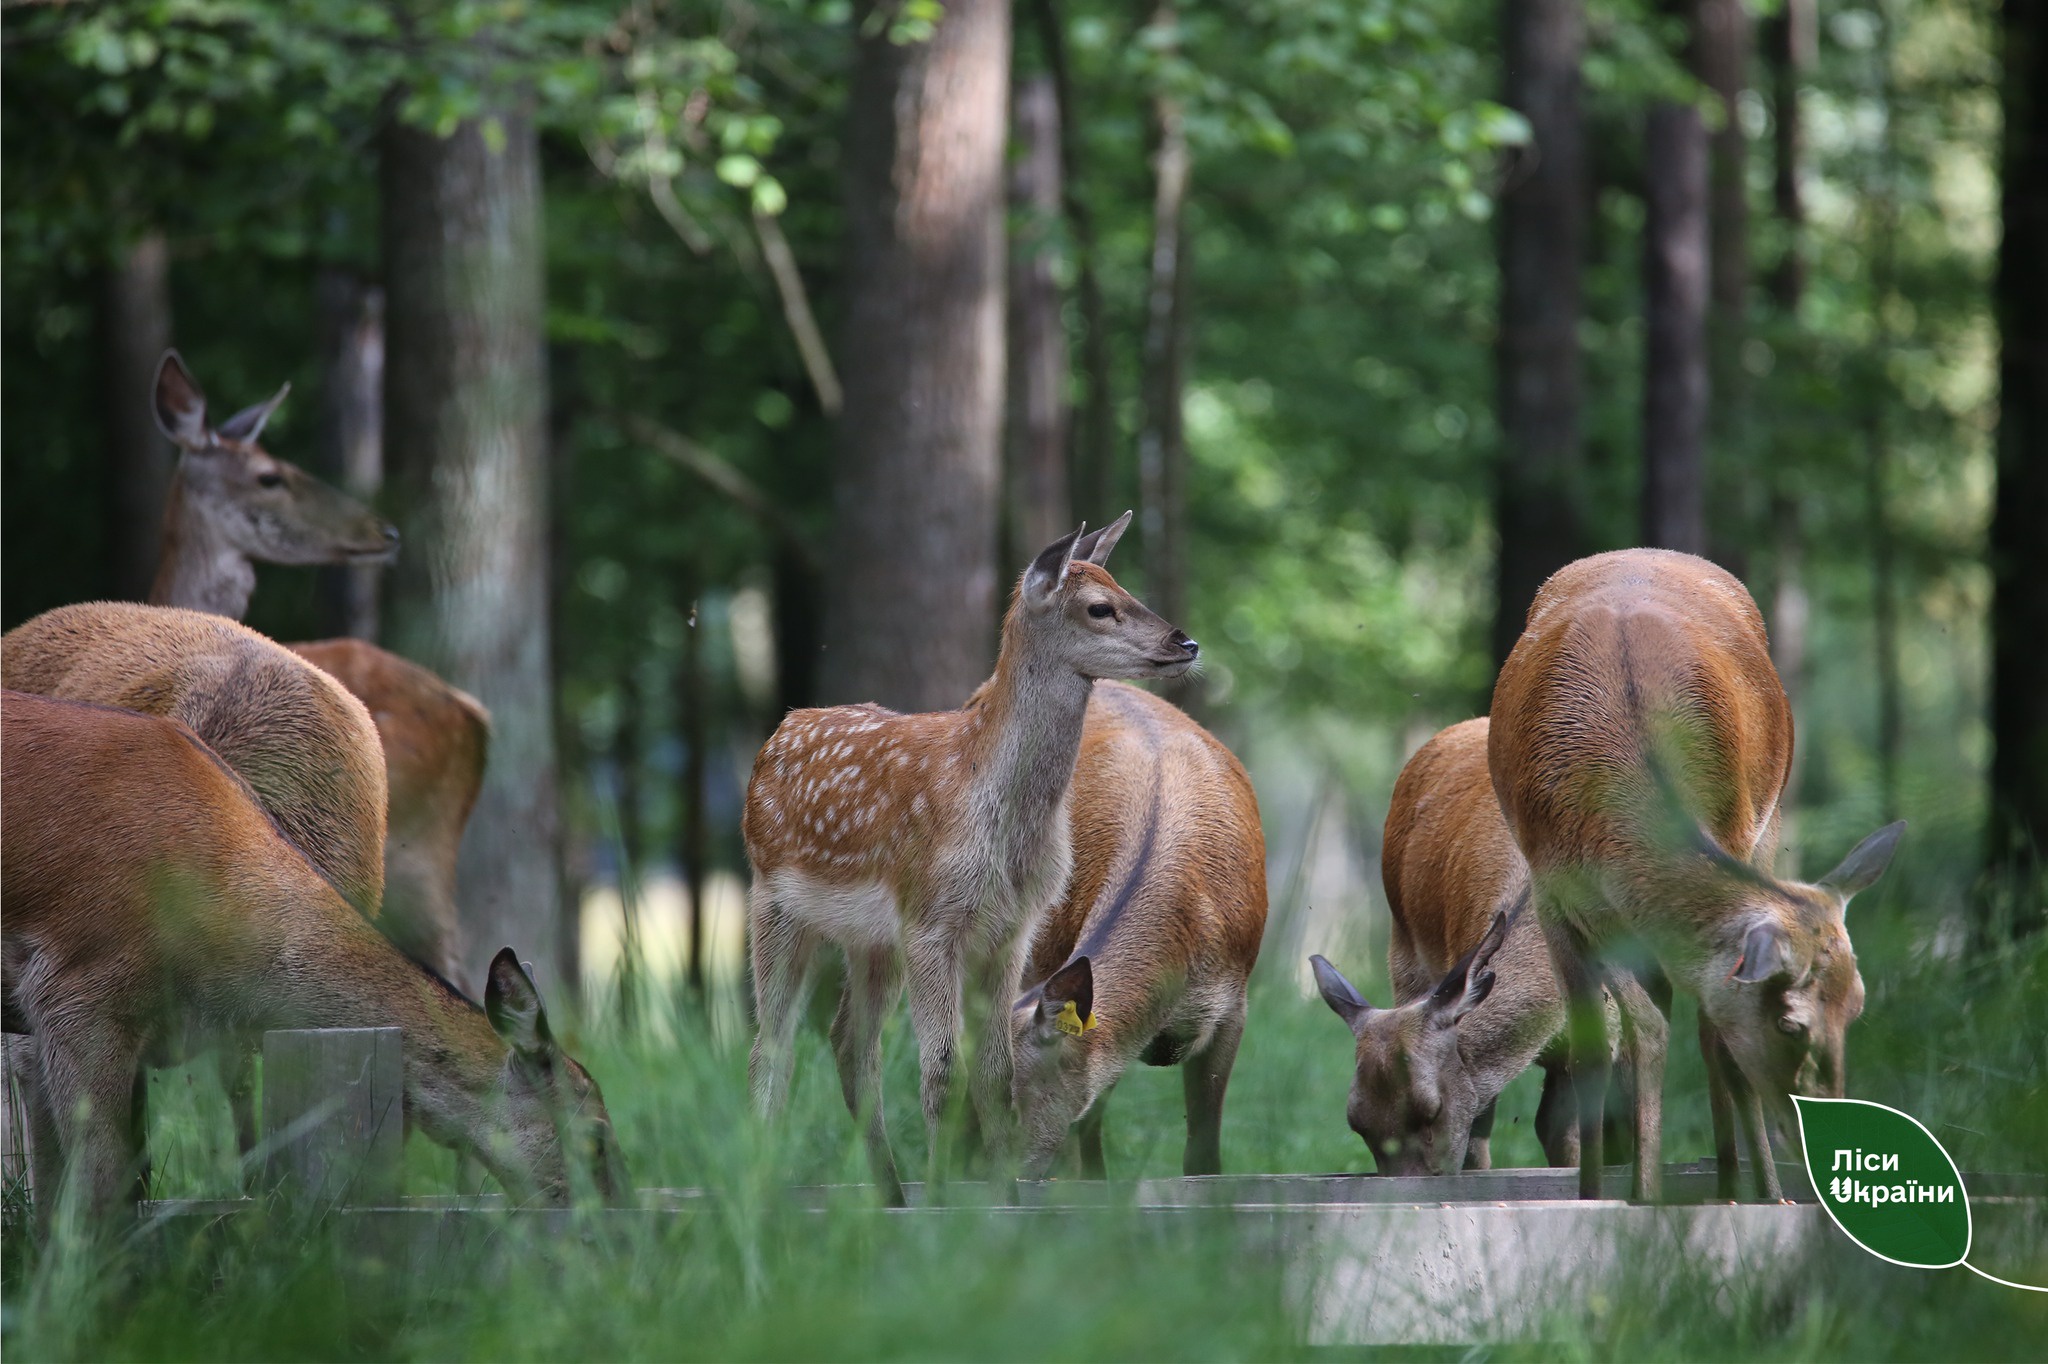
(1189, 646)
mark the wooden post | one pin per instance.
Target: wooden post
(17, 1165)
(333, 1114)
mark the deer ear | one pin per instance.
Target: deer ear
(513, 1003)
(1766, 955)
(1467, 984)
(1340, 994)
(1095, 546)
(178, 404)
(247, 424)
(1865, 862)
(1072, 984)
(1049, 569)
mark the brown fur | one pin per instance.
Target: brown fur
(435, 739)
(1640, 746)
(307, 747)
(1167, 904)
(149, 901)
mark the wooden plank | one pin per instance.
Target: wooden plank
(333, 1115)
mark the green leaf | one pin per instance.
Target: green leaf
(1886, 1181)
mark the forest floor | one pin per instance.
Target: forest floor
(749, 1273)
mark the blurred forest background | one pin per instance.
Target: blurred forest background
(720, 356)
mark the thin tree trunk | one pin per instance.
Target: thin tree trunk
(1542, 243)
(1038, 508)
(1721, 60)
(135, 329)
(911, 590)
(2019, 548)
(351, 312)
(1788, 42)
(466, 441)
(1675, 273)
(1883, 199)
(693, 838)
(1162, 444)
(571, 846)
(1092, 459)
(626, 814)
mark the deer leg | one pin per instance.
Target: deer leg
(934, 976)
(1721, 1103)
(1090, 1133)
(782, 949)
(237, 1065)
(1749, 1106)
(872, 982)
(1556, 1126)
(1204, 1079)
(1479, 1150)
(1648, 1036)
(86, 1078)
(1586, 1035)
(995, 1109)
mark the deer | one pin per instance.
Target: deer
(232, 505)
(151, 904)
(1475, 1000)
(1639, 747)
(936, 842)
(1148, 955)
(304, 744)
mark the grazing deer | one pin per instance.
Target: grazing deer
(149, 899)
(1475, 1000)
(936, 840)
(1639, 747)
(233, 505)
(1148, 955)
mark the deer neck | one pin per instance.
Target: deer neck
(1023, 737)
(200, 569)
(454, 1062)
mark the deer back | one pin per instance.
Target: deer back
(435, 739)
(1447, 859)
(1169, 858)
(302, 742)
(1632, 659)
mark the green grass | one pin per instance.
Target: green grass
(748, 1275)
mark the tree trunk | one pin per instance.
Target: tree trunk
(692, 835)
(1542, 231)
(2019, 549)
(1675, 271)
(135, 330)
(1788, 43)
(351, 313)
(1162, 444)
(466, 443)
(1092, 456)
(1790, 40)
(1882, 199)
(1721, 60)
(1038, 508)
(911, 589)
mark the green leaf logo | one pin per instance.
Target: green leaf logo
(1886, 1181)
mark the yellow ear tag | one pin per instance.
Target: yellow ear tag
(1068, 1020)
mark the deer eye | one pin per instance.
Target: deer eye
(1101, 610)
(270, 479)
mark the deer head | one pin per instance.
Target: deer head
(232, 497)
(1415, 1091)
(1050, 1029)
(1071, 609)
(1782, 986)
(551, 1134)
